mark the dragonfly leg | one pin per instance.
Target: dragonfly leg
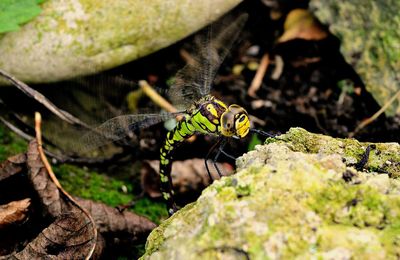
(215, 163)
(263, 133)
(208, 157)
(225, 153)
(221, 150)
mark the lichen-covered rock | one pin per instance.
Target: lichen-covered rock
(369, 31)
(383, 157)
(296, 196)
(78, 37)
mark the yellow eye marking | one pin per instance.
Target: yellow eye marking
(242, 126)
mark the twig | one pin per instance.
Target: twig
(43, 100)
(369, 120)
(279, 64)
(257, 80)
(157, 99)
(188, 58)
(16, 130)
(53, 177)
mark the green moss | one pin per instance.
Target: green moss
(92, 185)
(359, 243)
(360, 206)
(390, 238)
(243, 190)
(102, 188)
(156, 238)
(10, 144)
(227, 193)
(155, 211)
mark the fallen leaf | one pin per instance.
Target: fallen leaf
(115, 226)
(47, 190)
(187, 176)
(64, 230)
(12, 165)
(14, 212)
(301, 24)
(68, 237)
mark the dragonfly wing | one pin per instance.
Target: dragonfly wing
(187, 85)
(120, 127)
(195, 79)
(219, 47)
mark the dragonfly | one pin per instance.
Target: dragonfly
(200, 112)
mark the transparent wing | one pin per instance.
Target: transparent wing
(120, 127)
(195, 79)
(99, 101)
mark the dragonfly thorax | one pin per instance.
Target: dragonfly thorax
(213, 116)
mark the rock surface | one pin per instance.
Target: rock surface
(369, 31)
(297, 196)
(79, 37)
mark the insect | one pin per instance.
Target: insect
(201, 112)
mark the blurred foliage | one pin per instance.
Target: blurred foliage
(255, 140)
(13, 13)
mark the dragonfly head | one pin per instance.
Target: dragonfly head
(235, 122)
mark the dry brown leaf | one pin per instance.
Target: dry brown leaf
(68, 237)
(12, 165)
(116, 226)
(48, 192)
(14, 212)
(301, 24)
(59, 230)
(187, 176)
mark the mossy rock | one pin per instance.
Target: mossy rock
(73, 38)
(297, 196)
(369, 31)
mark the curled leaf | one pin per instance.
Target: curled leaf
(301, 24)
(187, 176)
(47, 190)
(14, 212)
(57, 227)
(68, 237)
(124, 227)
(12, 165)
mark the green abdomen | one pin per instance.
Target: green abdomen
(203, 119)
